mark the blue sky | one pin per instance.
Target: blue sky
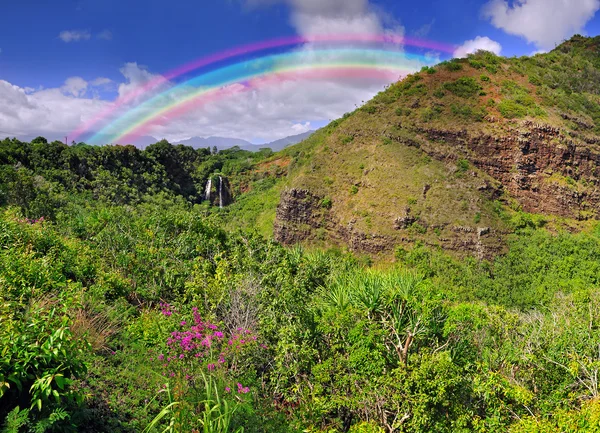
(45, 43)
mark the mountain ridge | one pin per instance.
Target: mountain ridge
(223, 143)
(452, 156)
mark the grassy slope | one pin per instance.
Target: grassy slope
(370, 165)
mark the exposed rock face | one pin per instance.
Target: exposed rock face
(298, 214)
(544, 168)
(532, 163)
(405, 221)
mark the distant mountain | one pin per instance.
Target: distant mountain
(227, 143)
(281, 144)
(145, 141)
(221, 142)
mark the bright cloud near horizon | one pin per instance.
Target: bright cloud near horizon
(69, 73)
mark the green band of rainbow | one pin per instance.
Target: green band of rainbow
(149, 111)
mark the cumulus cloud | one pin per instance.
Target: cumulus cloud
(479, 43)
(49, 112)
(74, 35)
(542, 22)
(75, 86)
(320, 17)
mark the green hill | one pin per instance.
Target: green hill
(448, 155)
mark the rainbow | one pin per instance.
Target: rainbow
(196, 99)
(129, 121)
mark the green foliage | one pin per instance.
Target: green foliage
(465, 87)
(40, 360)
(466, 112)
(453, 65)
(369, 109)
(431, 113)
(462, 165)
(511, 109)
(347, 139)
(326, 203)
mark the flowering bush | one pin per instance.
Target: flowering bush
(198, 346)
(207, 369)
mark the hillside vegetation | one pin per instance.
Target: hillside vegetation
(437, 155)
(129, 303)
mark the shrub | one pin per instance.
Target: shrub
(453, 65)
(465, 87)
(326, 203)
(439, 93)
(40, 359)
(511, 109)
(477, 64)
(431, 113)
(370, 109)
(462, 165)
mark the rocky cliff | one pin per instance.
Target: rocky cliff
(446, 156)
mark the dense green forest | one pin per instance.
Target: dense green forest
(129, 304)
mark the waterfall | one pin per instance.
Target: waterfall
(208, 187)
(220, 192)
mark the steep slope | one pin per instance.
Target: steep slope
(428, 158)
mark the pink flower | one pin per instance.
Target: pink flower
(210, 367)
(183, 322)
(161, 357)
(227, 389)
(181, 356)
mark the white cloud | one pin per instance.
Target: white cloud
(543, 22)
(299, 128)
(101, 81)
(49, 112)
(75, 86)
(105, 35)
(74, 35)
(479, 43)
(137, 76)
